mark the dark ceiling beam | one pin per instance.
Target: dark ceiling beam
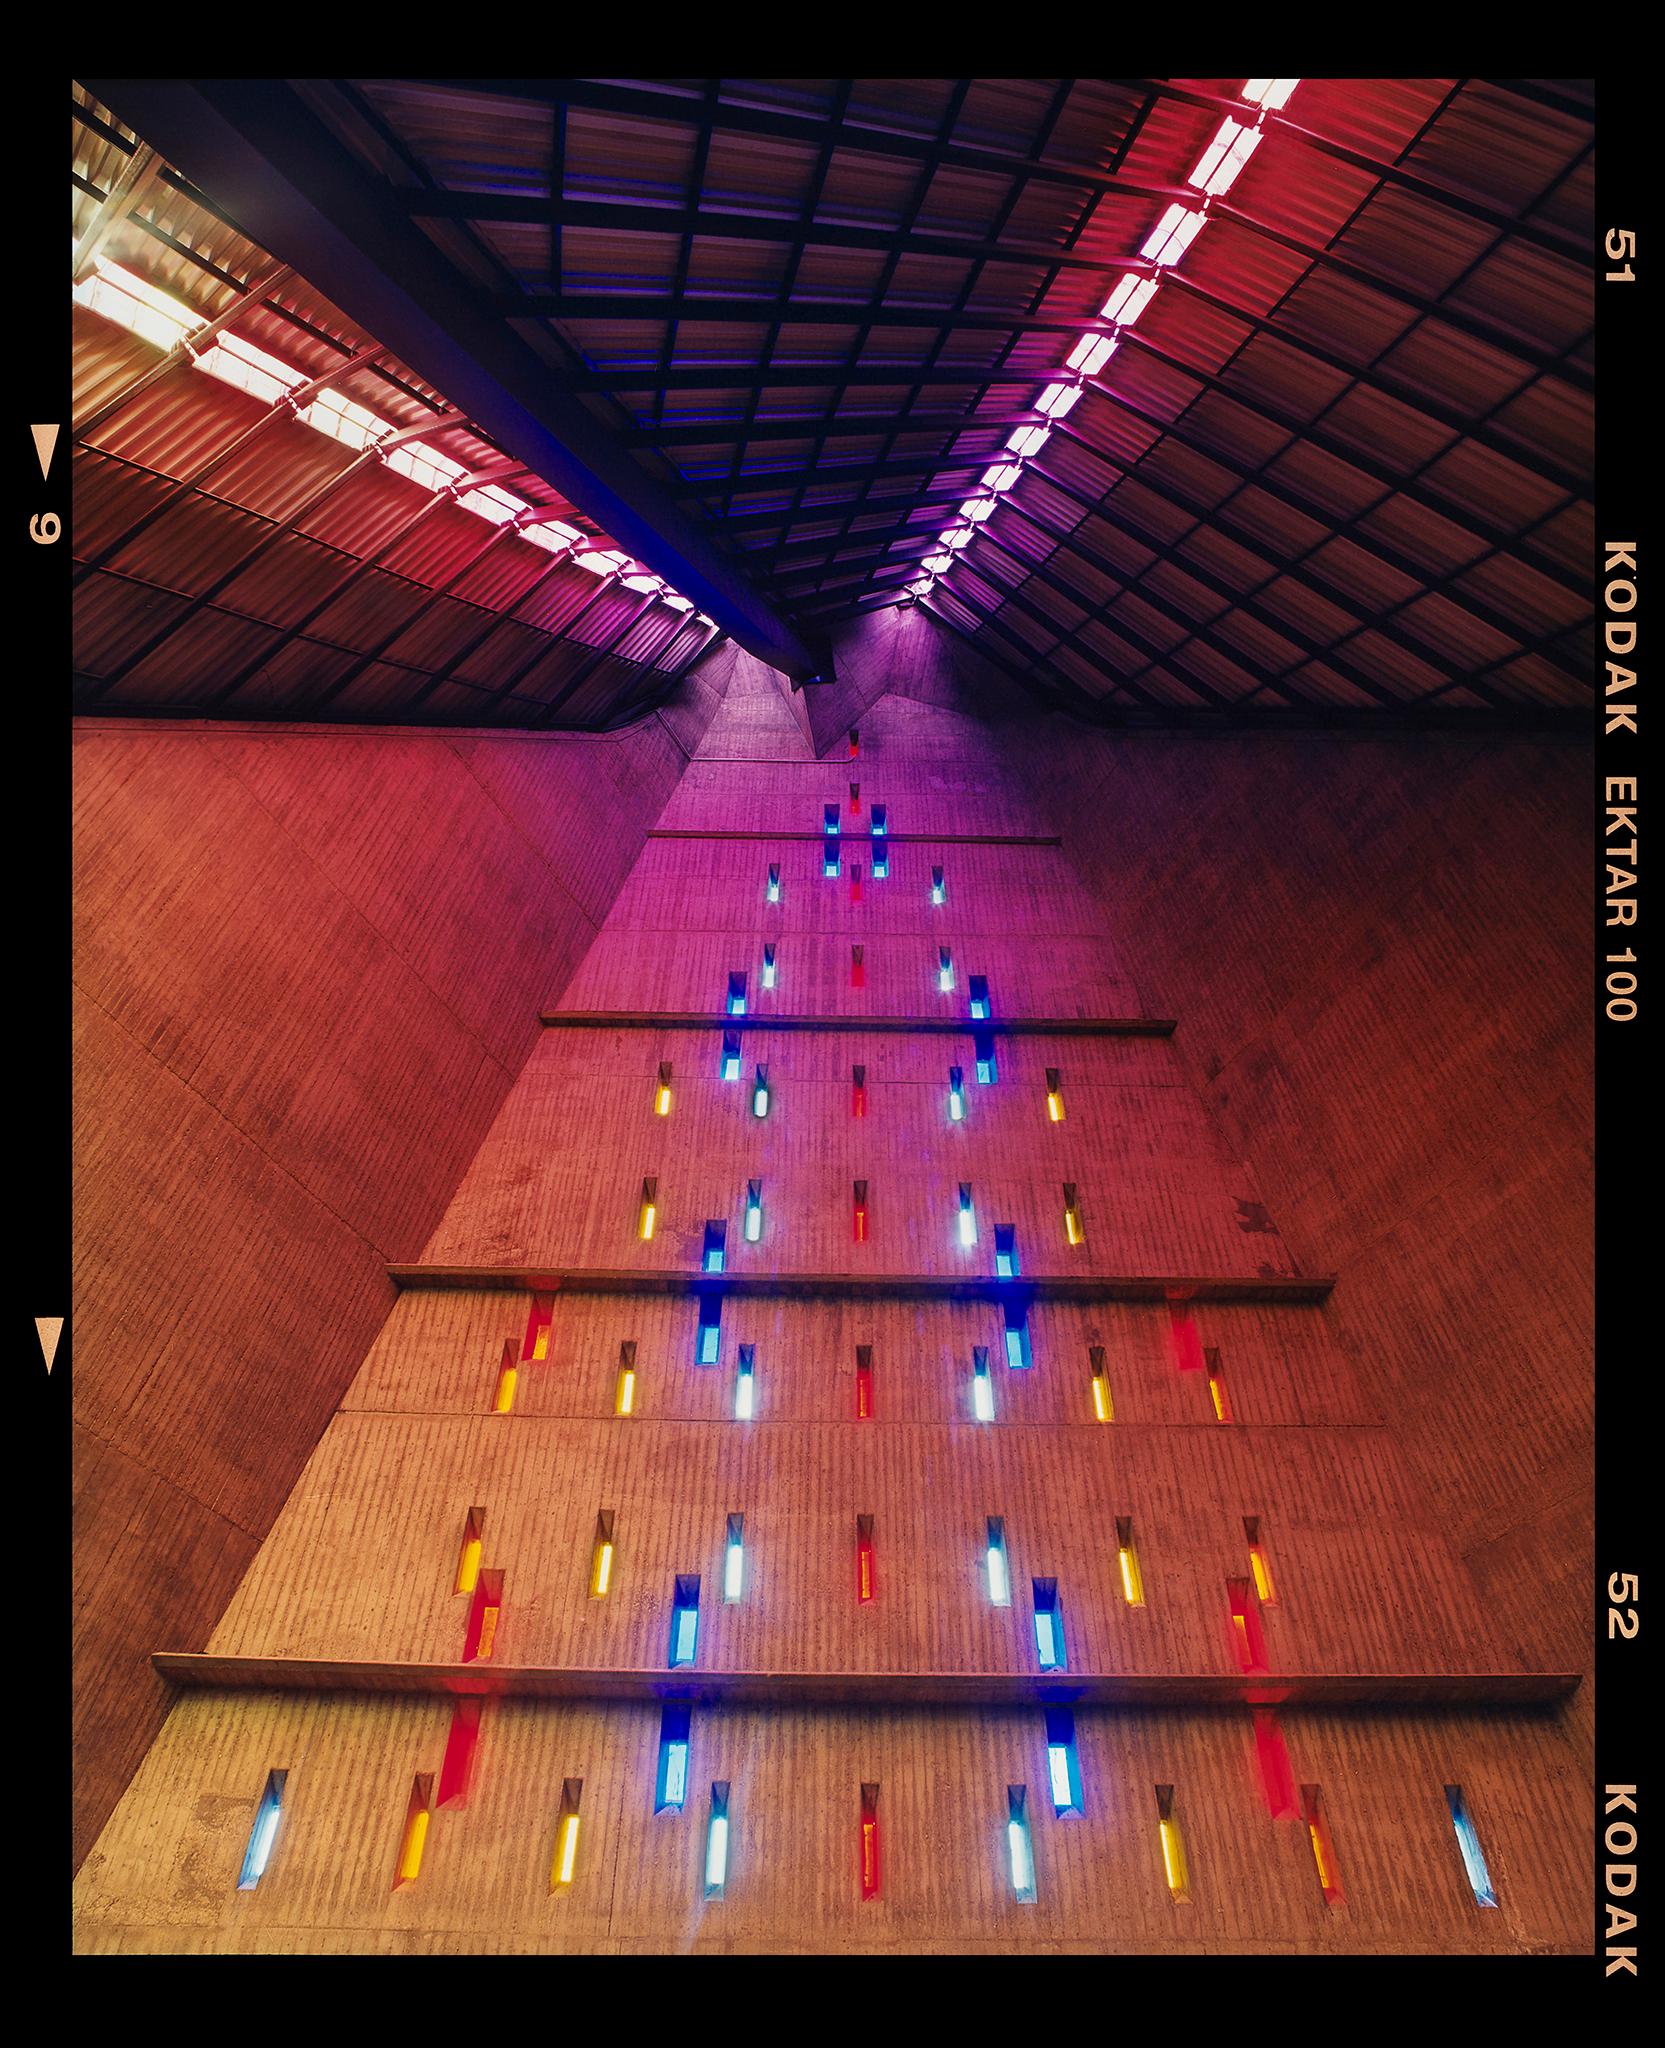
(657, 104)
(709, 310)
(779, 230)
(801, 376)
(296, 190)
(1555, 240)
(904, 501)
(696, 434)
(831, 474)
(1543, 94)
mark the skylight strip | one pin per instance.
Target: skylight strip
(1234, 142)
(155, 316)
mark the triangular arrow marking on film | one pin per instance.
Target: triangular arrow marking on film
(49, 1329)
(46, 439)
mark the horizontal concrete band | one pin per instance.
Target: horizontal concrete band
(866, 838)
(875, 1688)
(958, 1027)
(1287, 1287)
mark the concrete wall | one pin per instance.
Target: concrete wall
(308, 967)
(361, 1562)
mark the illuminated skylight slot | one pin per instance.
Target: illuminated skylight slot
(754, 1188)
(858, 954)
(1130, 298)
(760, 1090)
(1248, 1638)
(768, 963)
(624, 1398)
(1020, 1855)
(982, 1386)
(415, 1836)
(968, 1217)
(858, 1091)
(994, 1552)
(1133, 1584)
(508, 1377)
(1224, 157)
(565, 1860)
(939, 888)
(1091, 353)
(1019, 1358)
(1173, 234)
(236, 361)
(1216, 1384)
(715, 1249)
(737, 993)
(879, 824)
(556, 539)
(1269, 93)
(730, 1067)
(982, 1046)
(977, 510)
(670, 1784)
(945, 970)
(468, 1558)
(1049, 1625)
(734, 1558)
(870, 1841)
(649, 1214)
(956, 1095)
(1468, 1842)
(716, 1842)
(980, 996)
(601, 1555)
(1323, 1849)
(1258, 1567)
(662, 1094)
(456, 1772)
(424, 465)
(535, 1345)
(355, 426)
(1073, 1231)
(485, 1610)
(861, 1200)
(685, 1619)
(1054, 1096)
(745, 1384)
(708, 1338)
(1002, 476)
(1005, 1251)
(1103, 1408)
(864, 1559)
(126, 298)
(263, 1834)
(1174, 1866)
(1057, 400)
(1063, 1765)
(489, 502)
(1027, 440)
(772, 891)
(602, 562)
